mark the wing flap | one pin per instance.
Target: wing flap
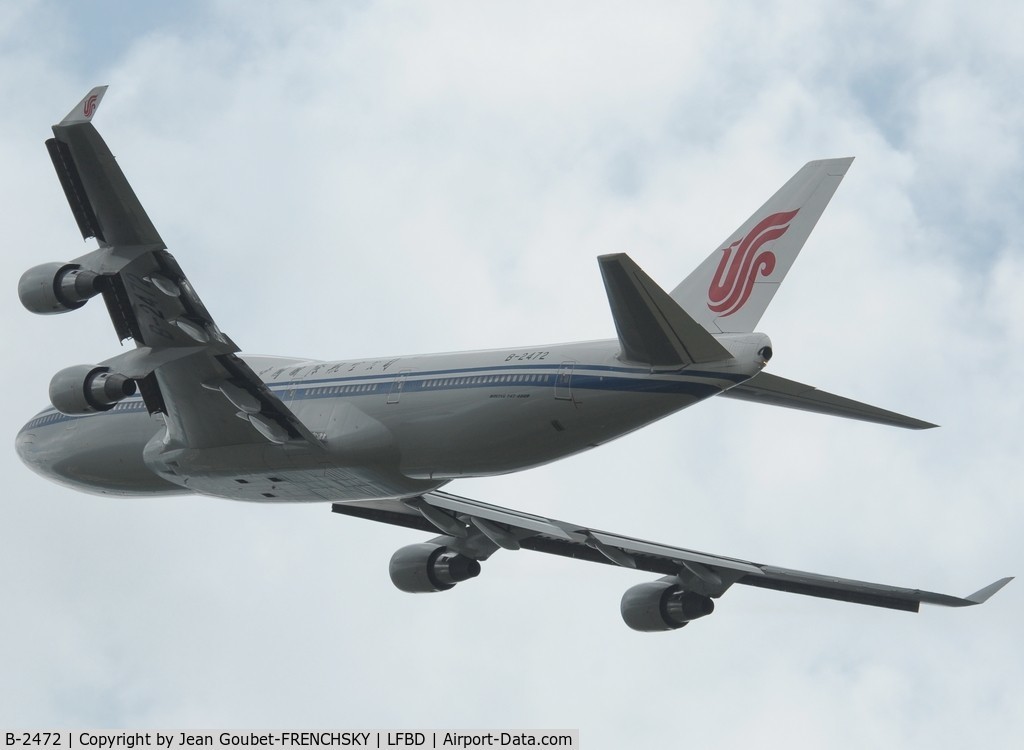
(521, 521)
(638, 546)
(120, 218)
(765, 388)
(74, 190)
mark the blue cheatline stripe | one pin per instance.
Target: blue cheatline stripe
(414, 384)
(52, 416)
(516, 369)
(458, 379)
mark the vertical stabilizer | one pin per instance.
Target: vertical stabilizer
(729, 292)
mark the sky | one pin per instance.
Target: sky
(377, 178)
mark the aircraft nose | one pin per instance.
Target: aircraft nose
(33, 443)
(92, 454)
(25, 445)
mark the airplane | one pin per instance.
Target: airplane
(185, 412)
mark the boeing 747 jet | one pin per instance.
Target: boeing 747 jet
(380, 439)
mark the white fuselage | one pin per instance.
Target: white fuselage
(390, 427)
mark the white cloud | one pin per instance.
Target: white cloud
(373, 179)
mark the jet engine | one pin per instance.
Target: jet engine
(56, 288)
(84, 389)
(662, 605)
(425, 568)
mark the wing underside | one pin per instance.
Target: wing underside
(185, 366)
(478, 529)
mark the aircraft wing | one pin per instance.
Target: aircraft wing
(185, 366)
(765, 388)
(478, 529)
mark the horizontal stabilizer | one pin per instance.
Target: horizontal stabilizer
(764, 388)
(653, 329)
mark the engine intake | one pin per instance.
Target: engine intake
(662, 605)
(425, 568)
(85, 389)
(56, 288)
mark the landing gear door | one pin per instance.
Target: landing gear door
(563, 381)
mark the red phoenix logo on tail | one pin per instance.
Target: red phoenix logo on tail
(741, 263)
(90, 106)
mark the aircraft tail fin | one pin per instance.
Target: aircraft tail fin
(730, 290)
(652, 327)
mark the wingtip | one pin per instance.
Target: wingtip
(85, 109)
(983, 595)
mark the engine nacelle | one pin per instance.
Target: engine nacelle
(56, 288)
(425, 568)
(85, 389)
(662, 605)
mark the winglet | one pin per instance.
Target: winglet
(652, 327)
(982, 595)
(978, 597)
(86, 108)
